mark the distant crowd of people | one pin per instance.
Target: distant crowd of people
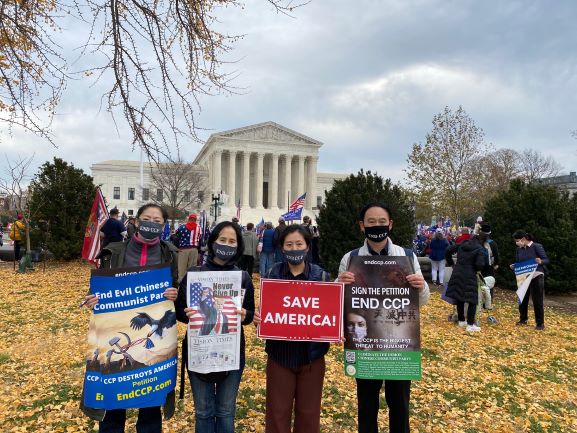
(474, 258)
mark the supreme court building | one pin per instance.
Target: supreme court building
(264, 167)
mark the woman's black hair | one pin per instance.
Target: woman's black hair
(374, 204)
(520, 234)
(216, 233)
(292, 229)
(148, 205)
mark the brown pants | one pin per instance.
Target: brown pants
(302, 385)
(186, 259)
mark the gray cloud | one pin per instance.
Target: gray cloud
(366, 78)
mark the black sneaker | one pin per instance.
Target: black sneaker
(521, 323)
(540, 327)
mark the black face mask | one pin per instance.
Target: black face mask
(377, 233)
(224, 252)
(295, 257)
(150, 230)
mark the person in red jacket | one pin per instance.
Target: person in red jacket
(463, 236)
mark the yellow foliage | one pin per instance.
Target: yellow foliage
(505, 379)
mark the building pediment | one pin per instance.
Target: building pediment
(268, 131)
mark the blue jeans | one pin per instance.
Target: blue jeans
(266, 262)
(215, 404)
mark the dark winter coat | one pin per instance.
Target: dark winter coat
(438, 247)
(471, 258)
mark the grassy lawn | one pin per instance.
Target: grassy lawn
(504, 379)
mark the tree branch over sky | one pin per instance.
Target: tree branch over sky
(160, 57)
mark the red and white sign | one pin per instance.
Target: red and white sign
(301, 310)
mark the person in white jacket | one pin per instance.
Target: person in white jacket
(375, 221)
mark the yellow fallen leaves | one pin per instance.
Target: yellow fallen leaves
(506, 379)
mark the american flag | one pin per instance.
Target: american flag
(197, 320)
(260, 227)
(124, 219)
(298, 203)
(97, 218)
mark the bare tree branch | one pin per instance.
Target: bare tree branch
(183, 185)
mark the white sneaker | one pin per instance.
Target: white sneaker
(472, 328)
(462, 324)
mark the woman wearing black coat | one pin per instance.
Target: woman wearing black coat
(463, 285)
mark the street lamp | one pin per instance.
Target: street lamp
(215, 207)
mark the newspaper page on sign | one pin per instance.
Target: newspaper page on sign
(132, 339)
(214, 332)
(381, 320)
(524, 273)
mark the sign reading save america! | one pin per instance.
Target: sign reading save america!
(301, 310)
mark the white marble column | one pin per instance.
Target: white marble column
(312, 182)
(231, 176)
(259, 180)
(217, 165)
(273, 182)
(300, 177)
(286, 195)
(245, 200)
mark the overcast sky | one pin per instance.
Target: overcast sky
(366, 77)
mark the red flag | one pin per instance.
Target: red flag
(97, 218)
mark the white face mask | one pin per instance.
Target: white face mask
(357, 332)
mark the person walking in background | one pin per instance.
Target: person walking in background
(250, 240)
(187, 240)
(131, 228)
(267, 250)
(527, 249)
(113, 230)
(17, 235)
(465, 235)
(463, 286)
(278, 256)
(438, 246)
(314, 256)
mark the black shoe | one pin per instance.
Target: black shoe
(540, 327)
(521, 323)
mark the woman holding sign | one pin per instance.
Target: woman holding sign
(295, 370)
(527, 250)
(214, 394)
(143, 249)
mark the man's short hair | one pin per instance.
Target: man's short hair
(114, 211)
(280, 219)
(375, 204)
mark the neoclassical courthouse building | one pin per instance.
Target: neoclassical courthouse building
(264, 166)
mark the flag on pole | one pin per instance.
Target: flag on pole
(238, 209)
(298, 203)
(260, 227)
(97, 218)
(124, 219)
(293, 215)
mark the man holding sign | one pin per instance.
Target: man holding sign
(375, 221)
(297, 303)
(529, 250)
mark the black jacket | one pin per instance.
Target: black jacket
(471, 258)
(295, 354)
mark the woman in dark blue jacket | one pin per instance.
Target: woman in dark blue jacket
(215, 394)
(295, 370)
(438, 246)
